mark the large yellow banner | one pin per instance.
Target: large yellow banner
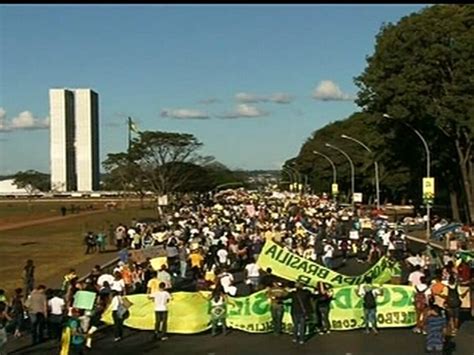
(293, 267)
(189, 311)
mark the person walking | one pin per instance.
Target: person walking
(323, 304)
(29, 277)
(300, 311)
(218, 311)
(37, 305)
(369, 293)
(119, 314)
(453, 304)
(57, 308)
(4, 319)
(277, 294)
(161, 298)
(435, 325)
(18, 310)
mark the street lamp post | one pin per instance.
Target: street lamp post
(290, 175)
(428, 164)
(297, 174)
(352, 168)
(334, 172)
(376, 165)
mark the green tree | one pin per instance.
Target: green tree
(33, 182)
(160, 156)
(422, 72)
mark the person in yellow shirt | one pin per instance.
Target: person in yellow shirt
(153, 284)
(196, 263)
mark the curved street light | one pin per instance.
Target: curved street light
(352, 168)
(376, 165)
(296, 172)
(428, 164)
(290, 175)
(334, 172)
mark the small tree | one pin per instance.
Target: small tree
(33, 182)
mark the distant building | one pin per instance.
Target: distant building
(62, 135)
(74, 116)
(87, 140)
(7, 187)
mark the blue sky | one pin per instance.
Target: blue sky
(247, 80)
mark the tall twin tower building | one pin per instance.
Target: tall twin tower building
(74, 117)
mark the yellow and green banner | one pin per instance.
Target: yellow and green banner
(293, 267)
(189, 312)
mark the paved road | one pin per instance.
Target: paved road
(389, 341)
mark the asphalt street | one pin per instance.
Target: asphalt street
(388, 341)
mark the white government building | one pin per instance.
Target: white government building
(74, 130)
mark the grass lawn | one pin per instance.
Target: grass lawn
(55, 247)
(20, 210)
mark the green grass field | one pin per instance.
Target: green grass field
(18, 211)
(55, 247)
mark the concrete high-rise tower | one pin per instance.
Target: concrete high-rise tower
(74, 140)
(87, 139)
(62, 135)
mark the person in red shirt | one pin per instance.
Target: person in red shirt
(464, 272)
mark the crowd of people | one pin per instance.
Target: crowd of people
(214, 244)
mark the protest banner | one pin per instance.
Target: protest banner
(141, 255)
(189, 312)
(292, 267)
(84, 300)
(65, 341)
(157, 263)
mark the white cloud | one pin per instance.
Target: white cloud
(249, 98)
(24, 121)
(184, 113)
(281, 98)
(278, 98)
(244, 110)
(3, 120)
(327, 90)
(211, 100)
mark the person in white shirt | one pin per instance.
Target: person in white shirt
(161, 299)
(115, 304)
(415, 277)
(118, 284)
(222, 256)
(252, 274)
(56, 307)
(226, 280)
(328, 255)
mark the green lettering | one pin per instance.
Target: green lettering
(295, 262)
(260, 305)
(403, 300)
(312, 269)
(387, 295)
(303, 266)
(337, 279)
(271, 251)
(342, 298)
(323, 273)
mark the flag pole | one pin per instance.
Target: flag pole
(129, 133)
